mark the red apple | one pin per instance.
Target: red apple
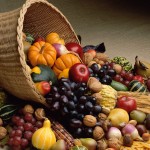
(92, 52)
(127, 103)
(79, 73)
(74, 47)
(39, 38)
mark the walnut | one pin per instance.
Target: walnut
(87, 57)
(102, 116)
(114, 143)
(39, 113)
(94, 84)
(3, 132)
(102, 144)
(98, 133)
(89, 120)
(28, 109)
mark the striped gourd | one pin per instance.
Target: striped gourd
(7, 111)
(136, 86)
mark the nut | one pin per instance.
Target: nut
(98, 133)
(102, 144)
(102, 116)
(3, 132)
(89, 120)
(94, 84)
(39, 113)
(28, 109)
(87, 58)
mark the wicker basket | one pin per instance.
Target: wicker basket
(37, 17)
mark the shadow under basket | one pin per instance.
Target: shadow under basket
(37, 17)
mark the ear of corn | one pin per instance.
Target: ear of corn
(109, 97)
(62, 133)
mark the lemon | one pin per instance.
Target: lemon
(118, 117)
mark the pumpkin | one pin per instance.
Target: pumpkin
(65, 61)
(53, 38)
(43, 73)
(136, 86)
(44, 138)
(42, 53)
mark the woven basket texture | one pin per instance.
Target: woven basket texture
(37, 17)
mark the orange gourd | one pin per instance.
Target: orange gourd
(42, 53)
(65, 61)
(54, 38)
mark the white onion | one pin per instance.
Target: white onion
(60, 49)
(114, 132)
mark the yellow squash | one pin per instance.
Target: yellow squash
(44, 137)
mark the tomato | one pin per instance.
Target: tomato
(138, 78)
(127, 103)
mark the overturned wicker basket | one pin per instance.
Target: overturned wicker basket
(37, 17)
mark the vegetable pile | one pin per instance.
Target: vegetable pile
(90, 95)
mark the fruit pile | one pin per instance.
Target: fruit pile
(95, 99)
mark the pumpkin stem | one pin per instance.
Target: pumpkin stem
(41, 50)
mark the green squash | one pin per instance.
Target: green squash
(43, 73)
(7, 111)
(136, 86)
(78, 148)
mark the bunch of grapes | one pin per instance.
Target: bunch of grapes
(124, 77)
(23, 126)
(105, 74)
(71, 101)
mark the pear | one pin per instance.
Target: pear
(89, 143)
(59, 145)
(142, 67)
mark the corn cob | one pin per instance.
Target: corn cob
(109, 97)
(62, 133)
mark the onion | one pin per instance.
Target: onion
(114, 132)
(60, 49)
(130, 129)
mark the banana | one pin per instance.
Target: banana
(142, 67)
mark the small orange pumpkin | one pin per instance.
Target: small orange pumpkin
(42, 53)
(54, 38)
(65, 61)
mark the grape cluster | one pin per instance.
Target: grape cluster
(124, 77)
(105, 74)
(71, 102)
(23, 127)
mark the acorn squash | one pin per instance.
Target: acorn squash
(43, 73)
